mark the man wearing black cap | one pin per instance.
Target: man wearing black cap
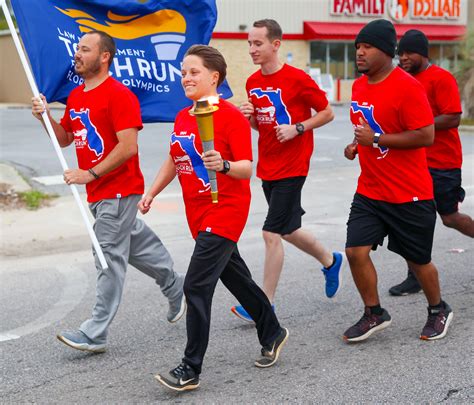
(445, 155)
(394, 194)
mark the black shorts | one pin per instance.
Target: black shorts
(448, 192)
(284, 204)
(409, 226)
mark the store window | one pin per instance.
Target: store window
(351, 62)
(336, 58)
(318, 55)
(449, 58)
(444, 55)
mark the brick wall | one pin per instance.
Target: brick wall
(240, 66)
(14, 86)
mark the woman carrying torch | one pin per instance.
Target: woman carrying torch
(216, 227)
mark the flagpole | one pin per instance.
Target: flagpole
(52, 135)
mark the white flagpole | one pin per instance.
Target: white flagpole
(52, 136)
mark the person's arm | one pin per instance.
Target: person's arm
(165, 176)
(38, 105)
(447, 121)
(248, 110)
(286, 132)
(416, 138)
(126, 148)
(240, 169)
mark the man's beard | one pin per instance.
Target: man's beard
(363, 70)
(91, 70)
(414, 69)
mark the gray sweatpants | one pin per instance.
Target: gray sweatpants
(125, 239)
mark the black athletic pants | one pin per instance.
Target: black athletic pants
(215, 258)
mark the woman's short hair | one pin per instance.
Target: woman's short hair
(211, 58)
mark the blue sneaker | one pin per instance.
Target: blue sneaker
(239, 311)
(332, 275)
(78, 340)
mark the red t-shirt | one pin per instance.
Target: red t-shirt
(284, 97)
(95, 117)
(232, 138)
(394, 105)
(443, 95)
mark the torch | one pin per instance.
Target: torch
(203, 111)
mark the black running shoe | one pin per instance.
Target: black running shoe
(181, 378)
(437, 324)
(368, 324)
(408, 286)
(271, 352)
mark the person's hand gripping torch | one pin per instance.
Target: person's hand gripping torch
(203, 110)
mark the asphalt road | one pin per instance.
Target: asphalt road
(47, 285)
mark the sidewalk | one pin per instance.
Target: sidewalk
(59, 223)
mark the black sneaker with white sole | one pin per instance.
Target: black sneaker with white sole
(181, 378)
(408, 286)
(368, 324)
(271, 352)
(437, 323)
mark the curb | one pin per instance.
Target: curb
(466, 128)
(10, 176)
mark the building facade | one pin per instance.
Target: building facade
(319, 34)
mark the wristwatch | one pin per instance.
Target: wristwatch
(299, 128)
(375, 142)
(226, 167)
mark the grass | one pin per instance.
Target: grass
(467, 121)
(3, 22)
(35, 199)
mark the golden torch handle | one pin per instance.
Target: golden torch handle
(203, 111)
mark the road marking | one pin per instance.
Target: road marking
(71, 296)
(327, 137)
(322, 159)
(58, 179)
(169, 195)
(50, 180)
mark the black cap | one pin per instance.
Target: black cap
(414, 41)
(381, 34)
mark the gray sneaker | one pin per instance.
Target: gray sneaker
(78, 340)
(177, 306)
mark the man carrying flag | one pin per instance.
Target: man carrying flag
(102, 118)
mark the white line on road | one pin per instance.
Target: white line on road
(327, 137)
(321, 159)
(58, 179)
(72, 294)
(49, 180)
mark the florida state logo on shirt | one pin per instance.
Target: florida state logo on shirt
(188, 159)
(272, 108)
(87, 136)
(367, 112)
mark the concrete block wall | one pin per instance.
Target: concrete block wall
(14, 87)
(240, 65)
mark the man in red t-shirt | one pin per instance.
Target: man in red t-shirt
(394, 194)
(102, 118)
(280, 104)
(445, 155)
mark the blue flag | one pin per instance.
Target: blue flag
(152, 37)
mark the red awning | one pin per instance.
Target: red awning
(339, 30)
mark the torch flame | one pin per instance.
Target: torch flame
(213, 100)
